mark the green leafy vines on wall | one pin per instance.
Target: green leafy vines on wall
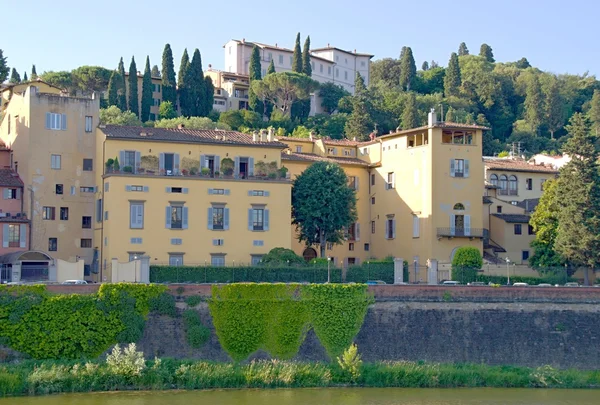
(276, 317)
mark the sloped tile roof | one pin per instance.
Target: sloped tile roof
(513, 165)
(311, 157)
(487, 200)
(529, 204)
(10, 178)
(185, 135)
(513, 218)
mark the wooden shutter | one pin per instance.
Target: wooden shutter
(168, 217)
(6, 193)
(5, 231)
(167, 189)
(202, 162)
(467, 225)
(250, 221)
(236, 162)
(23, 236)
(387, 228)
(210, 218)
(185, 218)
(132, 216)
(63, 122)
(106, 186)
(357, 232)
(466, 168)
(127, 188)
(250, 192)
(226, 219)
(452, 224)
(138, 162)
(251, 166)
(266, 220)
(185, 190)
(18, 193)
(146, 189)
(394, 180)
(416, 226)
(226, 191)
(161, 162)
(175, 163)
(217, 164)
(48, 120)
(210, 191)
(393, 228)
(452, 169)
(266, 193)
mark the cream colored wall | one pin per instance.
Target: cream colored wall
(503, 234)
(155, 94)
(370, 153)
(307, 147)
(68, 270)
(522, 192)
(128, 272)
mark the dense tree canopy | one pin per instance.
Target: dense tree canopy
(133, 102)
(113, 115)
(3, 67)
(147, 89)
(169, 91)
(283, 89)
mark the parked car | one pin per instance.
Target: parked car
(544, 285)
(74, 282)
(477, 284)
(572, 285)
(375, 282)
(450, 282)
(520, 285)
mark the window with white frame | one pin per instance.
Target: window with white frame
(255, 260)
(89, 120)
(175, 259)
(136, 215)
(217, 260)
(416, 226)
(55, 162)
(56, 122)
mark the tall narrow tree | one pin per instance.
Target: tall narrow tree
(425, 66)
(271, 68)
(34, 74)
(534, 107)
(359, 123)
(147, 89)
(113, 89)
(121, 87)
(183, 91)
(133, 102)
(486, 52)
(297, 57)
(15, 77)
(306, 66)
(196, 87)
(209, 97)
(553, 107)
(169, 89)
(462, 49)
(4, 69)
(25, 78)
(155, 71)
(410, 114)
(594, 112)
(452, 78)
(408, 69)
(268, 106)
(254, 72)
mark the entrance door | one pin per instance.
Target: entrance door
(169, 163)
(459, 224)
(243, 168)
(210, 161)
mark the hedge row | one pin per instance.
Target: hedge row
(373, 271)
(255, 274)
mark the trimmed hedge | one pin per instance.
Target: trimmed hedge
(253, 274)
(518, 279)
(372, 271)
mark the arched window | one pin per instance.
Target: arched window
(512, 185)
(503, 182)
(459, 207)
(494, 179)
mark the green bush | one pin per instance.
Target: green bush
(465, 264)
(196, 333)
(282, 257)
(502, 280)
(164, 304)
(193, 300)
(371, 270)
(142, 293)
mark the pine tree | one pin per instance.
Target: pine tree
(462, 49)
(450, 115)
(147, 89)
(196, 87)
(254, 72)
(425, 66)
(25, 79)
(452, 78)
(297, 58)
(34, 75)
(359, 122)
(169, 91)
(409, 114)
(594, 112)
(534, 107)
(113, 89)
(182, 85)
(271, 68)
(306, 66)
(268, 106)
(408, 69)
(121, 87)
(133, 102)
(553, 107)
(486, 52)
(155, 71)
(4, 70)
(14, 76)
(578, 240)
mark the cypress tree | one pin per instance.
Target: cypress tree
(409, 114)
(209, 89)
(534, 107)
(425, 66)
(462, 49)
(297, 58)
(155, 72)
(359, 122)
(594, 113)
(169, 91)
(255, 73)
(34, 74)
(14, 76)
(452, 78)
(182, 85)
(271, 68)
(408, 69)
(25, 79)
(133, 102)
(113, 89)
(3, 67)
(553, 107)
(121, 87)
(306, 66)
(486, 52)
(146, 92)
(196, 87)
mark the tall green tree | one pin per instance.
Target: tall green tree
(359, 123)
(594, 112)
(331, 94)
(303, 107)
(254, 73)
(166, 111)
(306, 66)
(113, 89)
(452, 79)
(209, 96)
(553, 106)
(425, 66)
(408, 69)
(155, 71)
(578, 237)
(462, 49)
(323, 205)
(297, 57)
(285, 88)
(183, 85)
(34, 74)
(271, 68)
(122, 88)
(4, 69)
(147, 89)
(197, 87)
(15, 77)
(410, 118)
(486, 52)
(90, 79)
(25, 78)
(133, 102)
(544, 221)
(169, 89)
(534, 105)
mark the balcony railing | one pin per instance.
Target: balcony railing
(128, 171)
(507, 192)
(460, 232)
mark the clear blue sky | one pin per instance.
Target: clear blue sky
(554, 35)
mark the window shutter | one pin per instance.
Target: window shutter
(226, 219)
(250, 193)
(250, 221)
(227, 191)
(6, 193)
(237, 166)
(387, 229)
(356, 183)
(185, 190)
(345, 262)
(146, 189)
(335, 151)
(202, 162)
(22, 235)
(168, 217)
(176, 163)
(250, 166)
(5, 231)
(394, 228)
(266, 193)
(394, 180)
(210, 191)
(467, 225)
(416, 226)
(266, 220)
(63, 122)
(106, 187)
(138, 161)
(19, 193)
(167, 189)
(48, 120)
(215, 242)
(161, 161)
(122, 159)
(106, 215)
(466, 167)
(357, 231)
(133, 216)
(452, 224)
(217, 165)
(128, 188)
(185, 218)
(452, 168)
(210, 218)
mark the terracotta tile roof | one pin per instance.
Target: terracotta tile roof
(512, 165)
(14, 220)
(10, 178)
(311, 157)
(487, 200)
(529, 204)
(295, 139)
(513, 218)
(344, 142)
(185, 135)
(31, 82)
(443, 125)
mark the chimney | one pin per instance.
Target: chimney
(209, 66)
(180, 126)
(263, 135)
(354, 139)
(372, 136)
(328, 45)
(275, 44)
(432, 118)
(255, 136)
(243, 40)
(271, 134)
(311, 135)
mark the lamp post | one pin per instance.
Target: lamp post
(415, 266)
(507, 271)
(135, 258)
(328, 270)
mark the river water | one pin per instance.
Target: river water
(328, 396)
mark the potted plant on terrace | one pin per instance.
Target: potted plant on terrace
(282, 171)
(205, 172)
(227, 166)
(127, 169)
(116, 165)
(110, 165)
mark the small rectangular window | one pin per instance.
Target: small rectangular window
(298, 149)
(217, 260)
(258, 219)
(218, 218)
(372, 200)
(459, 168)
(390, 231)
(64, 213)
(529, 184)
(136, 215)
(255, 260)
(258, 193)
(517, 229)
(52, 244)
(499, 209)
(351, 246)
(281, 59)
(86, 222)
(416, 226)
(525, 255)
(55, 162)
(391, 181)
(530, 230)
(73, 190)
(218, 242)
(372, 179)
(87, 189)
(372, 226)
(367, 247)
(14, 235)
(175, 260)
(219, 191)
(86, 243)
(10, 193)
(88, 123)
(58, 189)
(137, 188)
(88, 165)
(49, 213)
